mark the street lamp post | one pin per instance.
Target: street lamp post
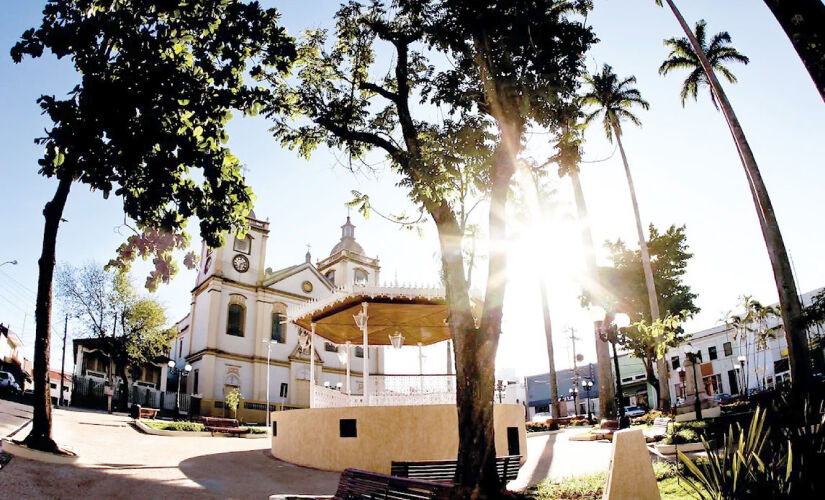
(690, 351)
(178, 371)
(741, 367)
(574, 392)
(609, 332)
(588, 385)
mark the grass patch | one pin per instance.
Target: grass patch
(591, 486)
(163, 425)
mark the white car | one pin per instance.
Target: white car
(542, 417)
(634, 411)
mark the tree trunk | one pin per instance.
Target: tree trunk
(548, 333)
(607, 392)
(661, 368)
(799, 356)
(804, 23)
(40, 437)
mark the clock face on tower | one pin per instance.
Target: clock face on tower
(240, 263)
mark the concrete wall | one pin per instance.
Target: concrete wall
(311, 437)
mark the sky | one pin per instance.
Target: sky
(683, 161)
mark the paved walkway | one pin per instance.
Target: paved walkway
(13, 416)
(118, 461)
(554, 456)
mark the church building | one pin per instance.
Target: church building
(237, 331)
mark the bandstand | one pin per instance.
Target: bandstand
(394, 417)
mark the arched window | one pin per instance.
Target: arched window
(278, 334)
(235, 322)
(360, 277)
(330, 276)
(243, 245)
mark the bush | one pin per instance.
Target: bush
(683, 436)
(647, 418)
(578, 422)
(254, 430)
(541, 426)
(162, 425)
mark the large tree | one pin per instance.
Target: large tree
(799, 355)
(378, 85)
(568, 156)
(803, 22)
(613, 98)
(132, 329)
(157, 83)
(626, 289)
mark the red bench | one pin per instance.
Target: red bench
(222, 425)
(357, 484)
(148, 413)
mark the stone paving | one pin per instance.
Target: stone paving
(118, 461)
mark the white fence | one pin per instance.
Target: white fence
(392, 390)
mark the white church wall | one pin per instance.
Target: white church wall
(294, 284)
(200, 322)
(225, 369)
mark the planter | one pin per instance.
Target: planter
(21, 451)
(585, 436)
(158, 432)
(670, 449)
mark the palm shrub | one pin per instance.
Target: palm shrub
(758, 463)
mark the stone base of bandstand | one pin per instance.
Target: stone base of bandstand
(315, 437)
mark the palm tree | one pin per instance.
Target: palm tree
(568, 145)
(718, 52)
(802, 21)
(613, 99)
(799, 355)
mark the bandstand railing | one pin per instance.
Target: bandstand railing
(392, 390)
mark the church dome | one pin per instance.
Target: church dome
(347, 240)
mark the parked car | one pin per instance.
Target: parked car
(542, 417)
(634, 411)
(8, 385)
(721, 398)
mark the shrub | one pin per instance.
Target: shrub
(647, 418)
(254, 430)
(541, 426)
(578, 421)
(162, 425)
(683, 436)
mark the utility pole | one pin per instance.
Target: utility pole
(60, 400)
(573, 340)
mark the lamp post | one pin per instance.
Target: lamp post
(178, 371)
(587, 385)
(609, 331)
(268, 358)
(574, 392)
(741, 368)
(690, 351)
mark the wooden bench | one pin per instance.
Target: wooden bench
(658, 431)
(444, 470)
(222, 425)
(606, 429)
(148, 413)
(357, 484)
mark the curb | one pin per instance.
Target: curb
(40, 456)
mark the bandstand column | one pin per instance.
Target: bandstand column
(349, 347)
(366, 357)
(312, 367)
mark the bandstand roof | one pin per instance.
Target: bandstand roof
(420, 314)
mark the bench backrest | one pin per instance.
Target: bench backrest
(220, 422)
(357, 484)
(444, 470)
(610, 424)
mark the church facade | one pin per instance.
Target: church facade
(237, 332)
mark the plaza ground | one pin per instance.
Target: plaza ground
(118, 461)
